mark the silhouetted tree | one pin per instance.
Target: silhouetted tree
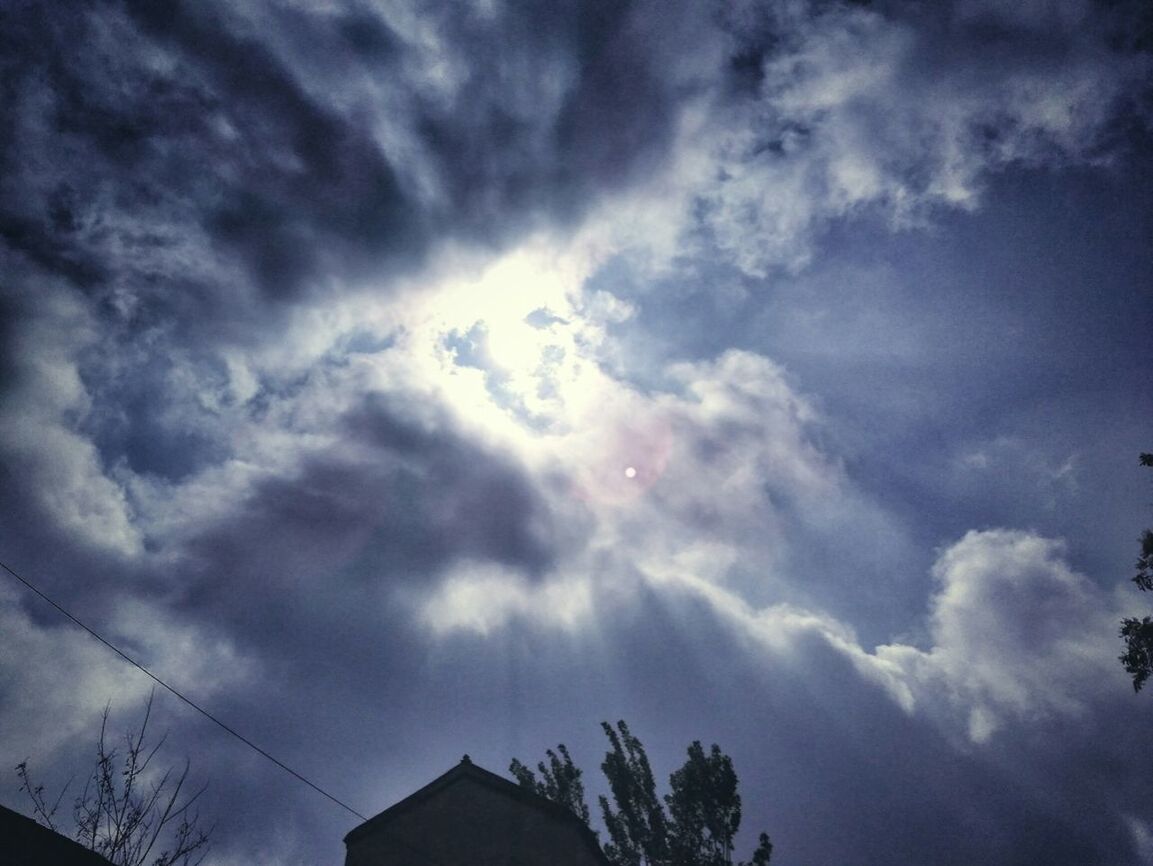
(560, 781)
(704, 807)
(638, 826)
(763, 852)
(1138, 633)
(126, 812)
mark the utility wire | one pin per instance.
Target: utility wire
(188, 701)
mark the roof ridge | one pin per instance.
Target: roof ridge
(466, 768)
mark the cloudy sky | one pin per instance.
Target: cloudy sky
(412, 378)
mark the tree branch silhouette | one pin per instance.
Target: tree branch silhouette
(126, 811)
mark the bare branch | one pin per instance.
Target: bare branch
(44, 813)
(125, 816)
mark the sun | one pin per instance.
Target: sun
(516, 352)
(511, 347)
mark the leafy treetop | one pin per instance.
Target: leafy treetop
(1138, 633)
(703, 807)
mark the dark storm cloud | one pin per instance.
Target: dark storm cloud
(458, 499)
(166, 116)
(314, 195)
(308, 587)
(176, 180)
(501, 154)
(409, 501)
(140, 136)
(185, 171)
(191, 173)
(136, 418)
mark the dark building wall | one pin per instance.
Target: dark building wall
(23, 842)
(473, 821)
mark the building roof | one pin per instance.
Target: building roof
(23, 842)
(467, 771)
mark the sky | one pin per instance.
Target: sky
(404, 380)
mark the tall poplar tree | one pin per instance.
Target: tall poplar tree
(638, 826)
(704, 807)
(560, 781)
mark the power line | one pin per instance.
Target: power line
(188, 701)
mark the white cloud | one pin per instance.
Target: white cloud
(192, 658)
(1142, 837)
(862, 111)
(710, 458)
(54, 683)
(38, 429)
(1016, 634)
(56, 680)
(481, 599)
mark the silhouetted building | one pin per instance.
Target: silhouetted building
(23, 842)
(471, 817)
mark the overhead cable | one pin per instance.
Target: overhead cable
(178, 694)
